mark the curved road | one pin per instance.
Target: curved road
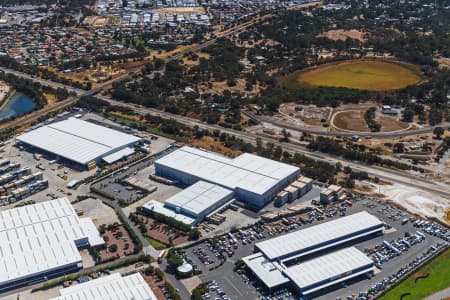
(387, 174)
(309, 130)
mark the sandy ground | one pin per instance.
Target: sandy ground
(342, 35)
(180, 10)
(308, 115)
(4, 90)
(214, 145)
(414, 200)
(444, 62)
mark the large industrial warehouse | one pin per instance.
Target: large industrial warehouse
(80, 142)
(255, 180)
(320, 237)
(40, 241)
(286, 259)
(193, 204)
(109, 287)
(324, 271)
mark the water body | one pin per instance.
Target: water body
(17, 106)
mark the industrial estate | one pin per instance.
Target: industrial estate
(224, 150)
(128, 214)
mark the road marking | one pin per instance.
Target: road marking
(233, 286)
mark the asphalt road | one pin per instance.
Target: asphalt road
(442, 295)
(387, 174)
(383, 173)
(309, 130)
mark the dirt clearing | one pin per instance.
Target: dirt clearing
(342, 35)
(414, 200)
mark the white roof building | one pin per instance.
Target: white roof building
(41, 240)
(312, 275)
(255, 179)
(200, 198)
(131, 287)
(320, 237)
(323, 271)
(158, 207)
(193, 204)
(77, 140)
(269, 272)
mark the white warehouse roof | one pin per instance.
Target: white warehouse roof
(248, 172)
(77, 140)
(317, 237)
(158, 207)
(329, 269)
(269, 272)
(199, 197)
(41, 237)
(131, 287)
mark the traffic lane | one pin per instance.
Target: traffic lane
(388, 174)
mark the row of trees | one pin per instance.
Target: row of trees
(354, 152)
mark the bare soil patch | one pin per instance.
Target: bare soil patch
(212, 144)
(342, 35)
(444, 62)
(180, 10)
(351, 120)
(309, 114)
(190, 63)
(391, 123)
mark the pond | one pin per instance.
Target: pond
(18, 105)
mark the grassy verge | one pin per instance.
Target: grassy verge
(156, 244)
(438, 278)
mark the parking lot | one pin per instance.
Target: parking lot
(399, 234)
(115, 185)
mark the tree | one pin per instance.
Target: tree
(173, 259)
(438, 132)
(194, 234)
(159, 273)
(149, 270)
(408, 114)
(398, 148)
(112, 248)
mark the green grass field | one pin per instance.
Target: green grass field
(438, 279)
(156, 244)
(372, 75)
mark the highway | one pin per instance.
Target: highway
(383, 173)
